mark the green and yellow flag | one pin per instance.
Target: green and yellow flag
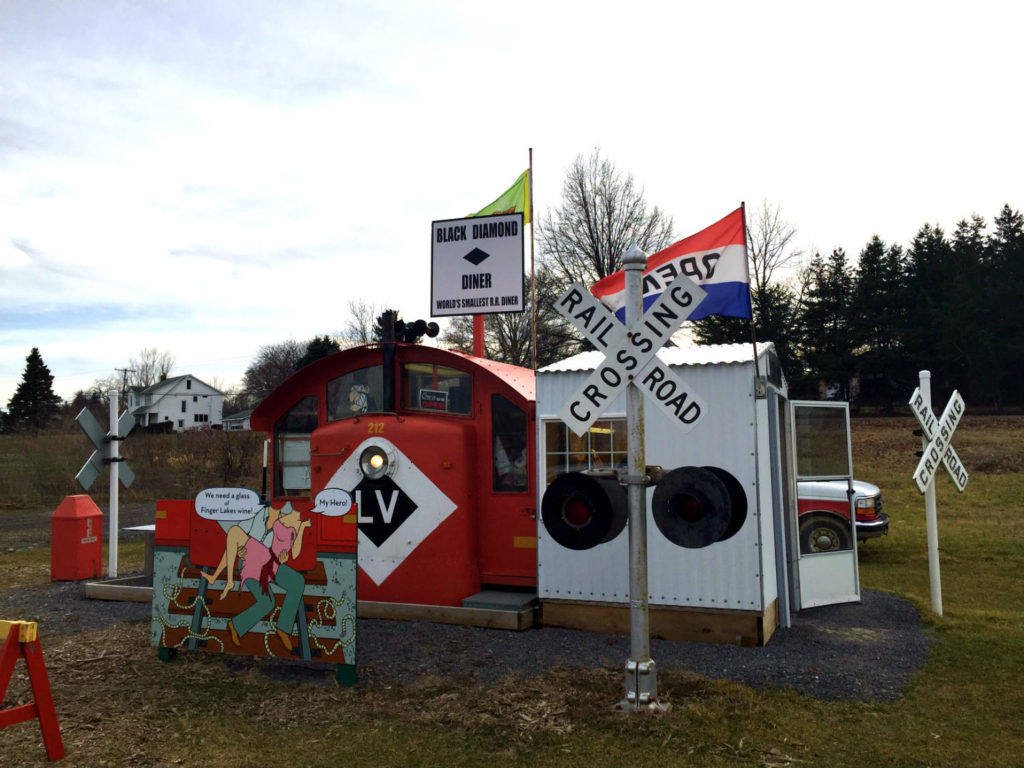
(515, 199)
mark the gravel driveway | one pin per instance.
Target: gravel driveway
(865, 651)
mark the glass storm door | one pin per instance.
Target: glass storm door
(826, 523)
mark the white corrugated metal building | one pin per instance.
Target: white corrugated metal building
(728, 591)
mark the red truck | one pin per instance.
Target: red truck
(824, 514)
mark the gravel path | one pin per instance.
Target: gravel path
(865, 651)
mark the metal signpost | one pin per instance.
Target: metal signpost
(107, 453)
(936, 436)
(631, 363)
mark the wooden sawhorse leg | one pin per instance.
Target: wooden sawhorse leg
(21, 641)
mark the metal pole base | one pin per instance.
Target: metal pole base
(642, 688)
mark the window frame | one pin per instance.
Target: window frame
(588, 452)
(410, 397)
(286, 437)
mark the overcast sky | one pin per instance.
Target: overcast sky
(206, 176)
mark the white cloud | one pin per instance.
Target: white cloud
(207, 177)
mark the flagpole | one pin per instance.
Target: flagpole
(533, 281)
(753, 330)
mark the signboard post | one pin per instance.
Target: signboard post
(631, 364)
(106, 452)
(936, 437)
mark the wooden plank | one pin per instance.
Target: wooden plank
(448, 614)
(770, 622)
(745, 628)
(254, 643)
(236, 602)
(131, 589)
(316, 576)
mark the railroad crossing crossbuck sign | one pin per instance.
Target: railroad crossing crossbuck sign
(939, 433)
(631, 355)
(102, 442)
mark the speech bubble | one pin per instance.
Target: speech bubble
(230, 504)
(333, 502)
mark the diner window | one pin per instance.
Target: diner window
(508, 425)
(603, 446)
(291, 448)
(436, 388)
(355, 392)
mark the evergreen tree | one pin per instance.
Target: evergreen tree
(317, 347)
(776, 311)
(827, 333)
(976, 350)
(879, 318)
(1004, 287)
(776, 319)
(34, 403)
(940, 338)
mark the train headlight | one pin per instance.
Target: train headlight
(375, 462)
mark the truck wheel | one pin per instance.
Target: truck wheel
(819, 534)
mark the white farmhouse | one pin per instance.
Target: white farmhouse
(183, 401)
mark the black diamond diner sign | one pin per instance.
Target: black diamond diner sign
(477, 265)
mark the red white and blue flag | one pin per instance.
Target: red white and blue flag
(715, 258)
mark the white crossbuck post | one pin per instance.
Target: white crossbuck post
(107, 452)
(631, 364)
(936, 437)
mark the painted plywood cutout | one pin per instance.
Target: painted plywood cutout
(234, 575)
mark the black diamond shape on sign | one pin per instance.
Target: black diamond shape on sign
(385, 504)
(475, 256)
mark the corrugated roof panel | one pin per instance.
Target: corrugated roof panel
(701, 354)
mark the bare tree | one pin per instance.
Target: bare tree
(770, 239)
(507, 336)
(150, 366)
(602, 211)
(272, 365)
(359, 326)
(100, 388)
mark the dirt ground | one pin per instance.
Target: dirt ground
(98, 656)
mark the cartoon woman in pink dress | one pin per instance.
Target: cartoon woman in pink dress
(262, 564)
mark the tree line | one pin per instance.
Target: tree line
(856, 330)
(947, 304)
(848, 330)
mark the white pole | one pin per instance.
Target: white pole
(930, 516)
(641, 678)
(114, 455)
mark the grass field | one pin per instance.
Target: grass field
(963, 709)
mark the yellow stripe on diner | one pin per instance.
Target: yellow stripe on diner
(524, 542)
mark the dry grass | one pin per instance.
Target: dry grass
(119, 706)
(37, 471)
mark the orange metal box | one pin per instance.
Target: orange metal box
(76, 541)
